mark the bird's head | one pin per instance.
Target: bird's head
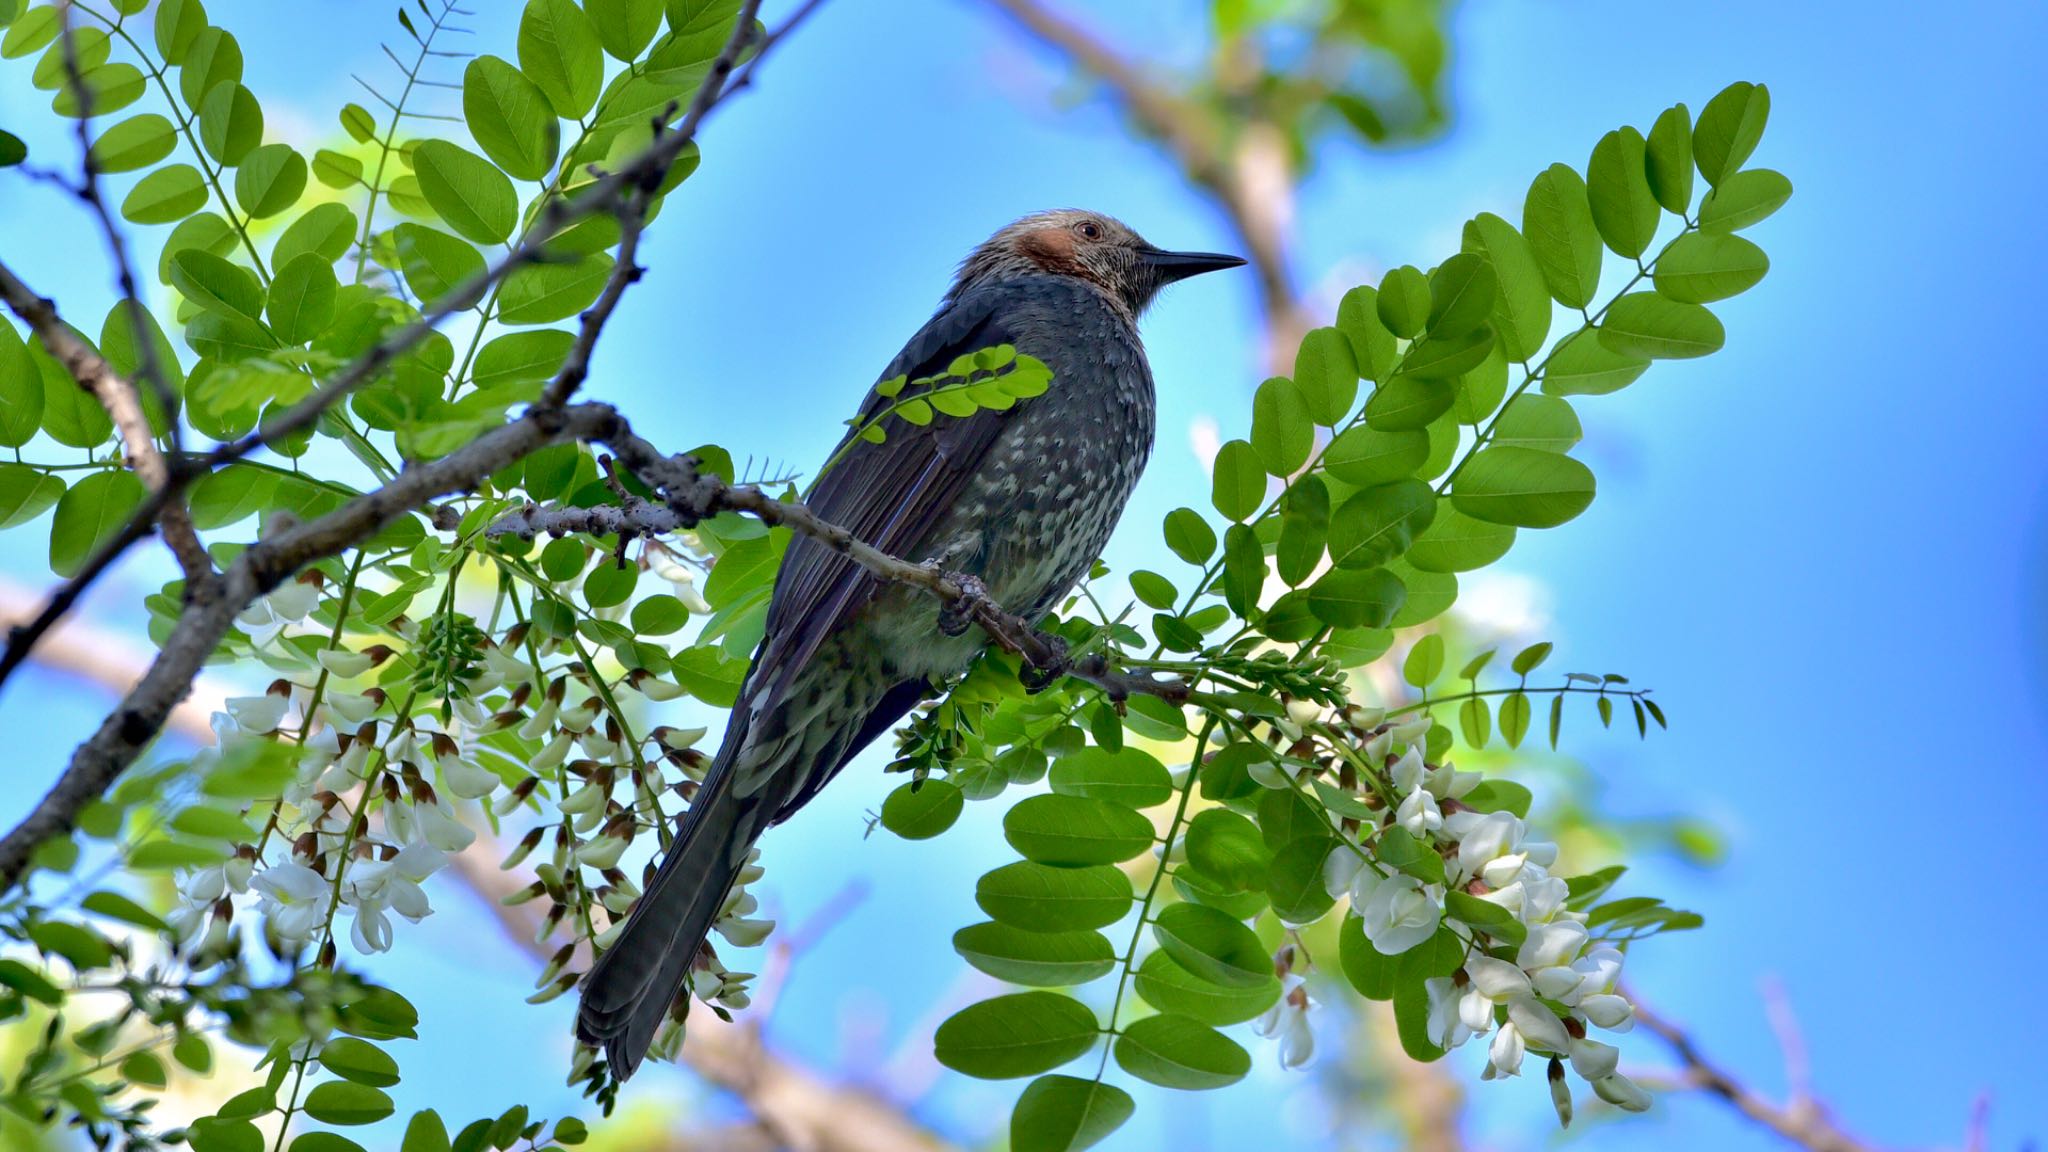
(1088, 246)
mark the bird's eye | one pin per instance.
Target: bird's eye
(1089, 230)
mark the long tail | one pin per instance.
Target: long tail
(633, 984)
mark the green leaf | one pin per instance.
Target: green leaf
(1154, 590)
(544, 293)
(165, 196)
(111, 88)
(1409, 402)
(1369, 971)
(90, 47)
(328, 229)
(1365, 456)
(1455, 542)
(1521, 307)
(1304, 529)
(230, 123)
(1238, 481)
(270, 180)
(435, 263)
(1228, 849)
(1211, 945)
(21, 390)
(1041, 898)
(145, 1070)
(511, 118)
(217, 285)
(1514, 718)
(1744, 199)
(1355, 598)
(214, 58)
(134, 143)
(1379, 523)
(1073, 831)
(1179, 1052)
(337, 170)
(1326, 373)
(12, 150)
(1130, 777)
(340, 1102)
(1067, 1114)
(921, 809)
(213, 1134)
(468, 192)
(1486, 916)
(425, 1133)
(1169, 987)
(1038, 959)
(1294, 880)
(1244, 568)
(624, 27)
(1524, 487)
(560, 52)
(1425, 661)
(1399, 850)
(213, 824)
(1557, 218)
(34, 30)
(1017, 1035)
(1187, 535)
(1618, 185)
(520, 357)
(1729, 128)
(1702, 267)
(1373, 347)
(1404, 301)
(1530, 658)
(1461, 294)
(359, 1062)
(1582, 365)
(302, 296)
(1479, 391)
(71, 415)
(1282, 432)
(1475, 722)
(1649, 326)
(178, 24)
(317, 1141)
(1442, 356)
(26, 493)
(95, 508)
(1498, 795)
(1670, 159)
(1534, 421)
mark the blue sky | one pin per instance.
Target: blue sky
(1822, 546)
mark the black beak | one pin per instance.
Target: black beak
(1172, 266)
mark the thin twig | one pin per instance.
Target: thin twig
(1805, 1124)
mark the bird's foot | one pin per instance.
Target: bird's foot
(957, 615)
(1048, 669)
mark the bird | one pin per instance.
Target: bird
(1021, 499)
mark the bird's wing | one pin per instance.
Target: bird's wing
(889, 494)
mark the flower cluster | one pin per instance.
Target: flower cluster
(1538, 984)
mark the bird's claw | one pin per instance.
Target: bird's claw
(1040, 674)
(957, 615)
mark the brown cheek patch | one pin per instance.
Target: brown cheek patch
(1053, 250)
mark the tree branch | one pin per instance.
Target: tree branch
(1247, 173)
(691, 496)
(1801, 1121)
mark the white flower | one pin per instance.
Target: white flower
(1447, 783)
(295, 900)
(1419, 814)
(258, 713)
(1593, 1060)
(1497, 980)
(1400, 914)
(203, 886)
(293, 600)
(1287, 1020)
(602, 852)
(1456, 1013)
(467, 780)
(1412, 729)
(343, 663)
(1599, 970)
(1304, 712)
(393, 884)
(1340, 870)
(1504, 1058)
(1408, 771)
(1552, 945)
(1608, 1011)
(351, 707)
(744, 933)
(1539, 1026)
(1622, 1092)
